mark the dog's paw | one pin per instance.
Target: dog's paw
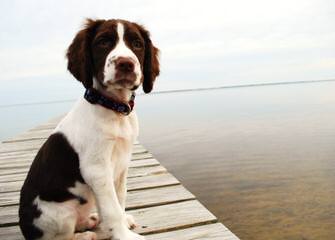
(131, 221)
(118, 232)
(85, 236)
(93, 221)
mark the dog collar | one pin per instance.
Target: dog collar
(95, 97)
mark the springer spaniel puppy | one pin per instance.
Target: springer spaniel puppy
(84, 162)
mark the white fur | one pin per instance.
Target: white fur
(120, 50)
(58, 219)
(103, 140)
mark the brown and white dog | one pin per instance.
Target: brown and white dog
(84, 163)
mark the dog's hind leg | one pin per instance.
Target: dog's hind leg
(64, 228)
(57, 220)
(63, 231)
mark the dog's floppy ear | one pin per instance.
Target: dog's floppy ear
(79, 53)
(151, 63)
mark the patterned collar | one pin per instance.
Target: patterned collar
(95, 97)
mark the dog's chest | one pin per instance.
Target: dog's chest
(123, 134)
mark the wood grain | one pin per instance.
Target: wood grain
(135, 200)
(151, 181)
(153, 219)
(216, 231)
(34, 144)
(19, 174)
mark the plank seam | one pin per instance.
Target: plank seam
(171, 229)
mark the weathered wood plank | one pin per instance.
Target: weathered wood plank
(21, 146)
(10, 155)
(157, 196)
(50, 126)
(30, 135)
(28, 153)
(34, 141)
(9, 216)
(175, 216)
(137, 198)
(14, 175)
(21, 158)
(18, 158)
(14, 165)
(145, 171)
(9, 199)
(151, 181)
(33, 135)
(146, 162)
(216, 231)
(21, 167)
(35, 144)
(172, 216)
(140, 156)
(11, 233)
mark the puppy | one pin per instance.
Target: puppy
(84, 162)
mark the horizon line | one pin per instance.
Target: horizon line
(184, 90)
(241, 86)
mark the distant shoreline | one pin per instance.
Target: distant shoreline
(183, 90)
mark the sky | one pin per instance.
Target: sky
(202, 43)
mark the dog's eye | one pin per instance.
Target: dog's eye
(104, 42)
(137, 44)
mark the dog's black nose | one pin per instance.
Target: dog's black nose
(125, 65)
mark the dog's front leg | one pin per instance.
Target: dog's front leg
(98, 174)
(121, 190)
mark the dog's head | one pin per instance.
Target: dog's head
(117, 53)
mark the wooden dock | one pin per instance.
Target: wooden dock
(160, 204)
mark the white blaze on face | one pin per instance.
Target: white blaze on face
(120, 50)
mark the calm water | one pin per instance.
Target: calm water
(17, 109)
(262, 159)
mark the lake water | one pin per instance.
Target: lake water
(262, 159)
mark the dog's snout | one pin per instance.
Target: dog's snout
(125, 65)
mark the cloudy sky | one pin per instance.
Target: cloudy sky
(203, 43)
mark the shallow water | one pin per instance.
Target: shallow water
(262, 159)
